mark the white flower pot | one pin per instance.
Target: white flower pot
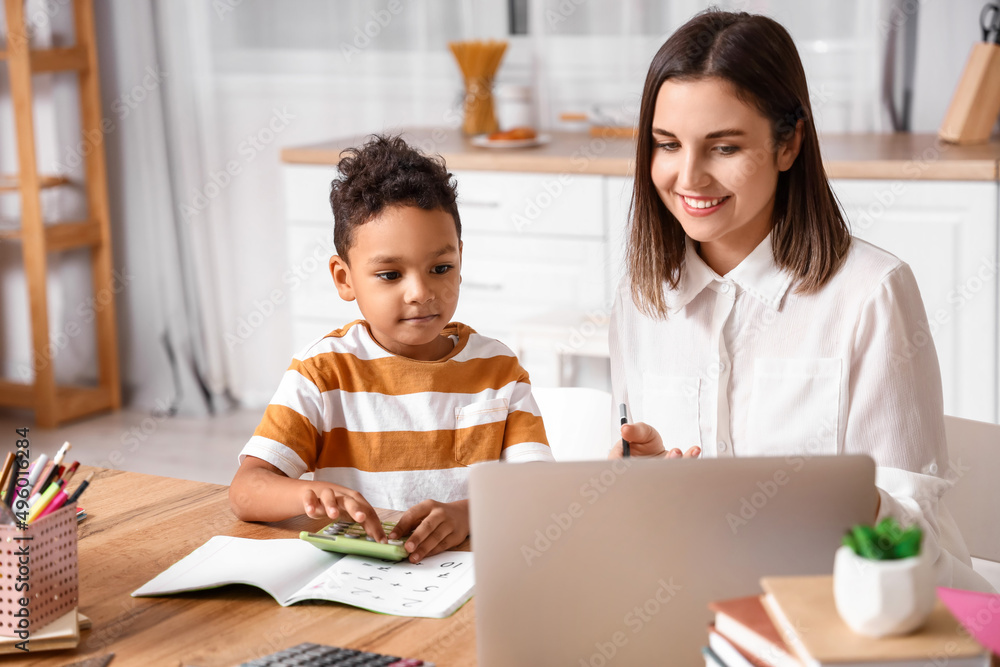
(879, 598)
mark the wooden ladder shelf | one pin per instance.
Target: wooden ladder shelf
(52, 404)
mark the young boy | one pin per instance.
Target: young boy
(391, 410)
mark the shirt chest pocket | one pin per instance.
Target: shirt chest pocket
(479, 429)
(670, 405)
(794, 407)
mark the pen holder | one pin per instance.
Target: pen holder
(38, 572)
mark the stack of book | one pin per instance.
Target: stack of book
(795, 623)
(64, 632)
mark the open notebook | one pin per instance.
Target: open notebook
(293, 571)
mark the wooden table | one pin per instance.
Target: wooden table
(138, 525)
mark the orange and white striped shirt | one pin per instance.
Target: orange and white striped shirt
(399, 430)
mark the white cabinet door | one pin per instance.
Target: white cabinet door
(531, 204)
(947, 232)
(618, 195)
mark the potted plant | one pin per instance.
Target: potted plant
(883, 581)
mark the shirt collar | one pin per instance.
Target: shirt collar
(757, 274)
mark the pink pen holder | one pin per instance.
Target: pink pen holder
(38, 572)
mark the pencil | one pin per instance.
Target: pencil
(10, 491)
(626, 450)
(4, 474)
(79, 490)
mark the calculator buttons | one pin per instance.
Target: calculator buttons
(317, 655)
(350, 538)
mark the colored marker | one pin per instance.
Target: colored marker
(43, 501)
(57, 502)
(62, 452)
(36, 470)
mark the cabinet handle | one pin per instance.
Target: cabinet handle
(493, 287)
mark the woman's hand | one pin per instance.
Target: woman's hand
(333, 501)
(438, 526)
(645, 441)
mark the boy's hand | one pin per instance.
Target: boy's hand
(439, 526)
(334, 501)
(645, 441)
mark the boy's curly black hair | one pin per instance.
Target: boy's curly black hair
(387, 172)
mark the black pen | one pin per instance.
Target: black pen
(624, 414)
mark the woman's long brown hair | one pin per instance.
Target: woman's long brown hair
(757, 57)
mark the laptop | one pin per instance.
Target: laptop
(596, 563)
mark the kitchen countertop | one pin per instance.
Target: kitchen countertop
(874, 156)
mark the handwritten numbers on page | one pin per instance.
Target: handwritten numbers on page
(403, 586)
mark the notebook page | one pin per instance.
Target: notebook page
(279, 567)
(433, 588)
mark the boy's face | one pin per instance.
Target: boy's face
(405, 273)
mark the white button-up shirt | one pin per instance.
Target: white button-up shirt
(743, 365)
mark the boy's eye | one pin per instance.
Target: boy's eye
(387, 275)
(442, 268)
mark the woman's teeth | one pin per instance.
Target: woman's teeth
(703, 203)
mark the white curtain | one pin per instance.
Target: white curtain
(153, 60)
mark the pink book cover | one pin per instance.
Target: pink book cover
(979, 613)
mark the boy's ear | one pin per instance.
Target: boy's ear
(341, 273)
(789, 150)
(460, 245)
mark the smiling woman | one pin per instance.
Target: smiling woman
(751, 323)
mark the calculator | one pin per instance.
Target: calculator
(321, 655)
(348, 537)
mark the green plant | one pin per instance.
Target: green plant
(886, 541)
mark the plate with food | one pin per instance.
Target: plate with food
(518, 137)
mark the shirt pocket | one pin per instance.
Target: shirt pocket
(794, 407)
(479, 429)
(670, 404)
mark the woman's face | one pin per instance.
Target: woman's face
(716, 168)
